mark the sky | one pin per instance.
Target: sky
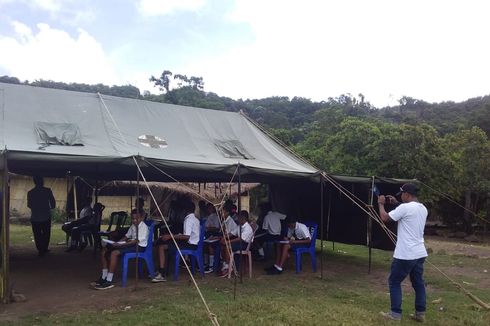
(384, 49)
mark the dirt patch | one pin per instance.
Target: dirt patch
(455, 247)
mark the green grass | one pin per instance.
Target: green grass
(346, 295)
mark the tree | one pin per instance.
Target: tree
(469, 149)
(163, 82)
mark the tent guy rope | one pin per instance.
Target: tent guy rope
(211, 315)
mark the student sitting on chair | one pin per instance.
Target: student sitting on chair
(244, 232)
(86, 216)
(298, 236)
(135, 239)
(188, 240)
(271, 228)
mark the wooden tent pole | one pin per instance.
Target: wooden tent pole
(4, 235)
(239, 208)
(321, 226)
(137, 227)
(75, 203)
(370, 228)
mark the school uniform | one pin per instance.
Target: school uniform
(300, 232)
(246, 234)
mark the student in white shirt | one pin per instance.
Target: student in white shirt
(271, 228)
(229, 226)
(410, 252)
(240, 237)
(212, 221)
(298, 236)
(136, 239)
(189, 239)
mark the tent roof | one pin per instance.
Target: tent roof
(191, 144)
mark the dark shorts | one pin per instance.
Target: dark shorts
(182, 245)
(235, 246)
(267, 237)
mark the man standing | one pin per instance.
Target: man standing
(410, 252)
(41, 201)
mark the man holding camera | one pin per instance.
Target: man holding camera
(410, 252)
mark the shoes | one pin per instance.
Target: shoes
(224, 273)
(274, 271)
(159, 278)
(418, 316)
(208, 270)
(391, 316)
(98, 282)
(105, 285)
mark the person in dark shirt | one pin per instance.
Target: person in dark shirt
(41, 201)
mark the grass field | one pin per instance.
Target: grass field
(346, 295)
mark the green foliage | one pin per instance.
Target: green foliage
(58, 215)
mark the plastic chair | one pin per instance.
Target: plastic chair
(308, 250)
(146, 255)
(194, 254)
(247, 252)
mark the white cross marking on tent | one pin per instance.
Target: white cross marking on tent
(152, 141)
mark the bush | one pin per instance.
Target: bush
(58, 215)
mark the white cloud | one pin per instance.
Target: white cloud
(433, 50)
(165, 7)
(49, 53)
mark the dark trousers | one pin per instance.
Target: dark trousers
(400, 269)
(42, 234)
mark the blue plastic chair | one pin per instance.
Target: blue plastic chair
(308, 250)
(194, 255)
(146, 255)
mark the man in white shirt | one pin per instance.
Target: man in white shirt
(410, 252)
(188, 240)
(298, 236)
(136, 239)
(271, 228)
(240, 237)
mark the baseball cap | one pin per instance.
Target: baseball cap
(408, 188)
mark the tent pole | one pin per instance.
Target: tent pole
(321, 226)
(239, 208)
(75, 204)
(67, 198)
(370, 227)
(4, 235)
(137, 227)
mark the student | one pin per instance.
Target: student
(86, 216)
(228, 223)
(118, 234)
(135, 239)
(298, 236)
(212, 221)
(244, 232)
(41, 201)
(188, 240)
(271, 228)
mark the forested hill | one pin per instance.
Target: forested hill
(445, 145)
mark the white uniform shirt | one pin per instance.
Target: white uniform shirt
(142, 233)
(411, 219)
(300, 232)
(272, 222)
(212, 221)
(230, 225)
(247, 232)
(192, 228)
